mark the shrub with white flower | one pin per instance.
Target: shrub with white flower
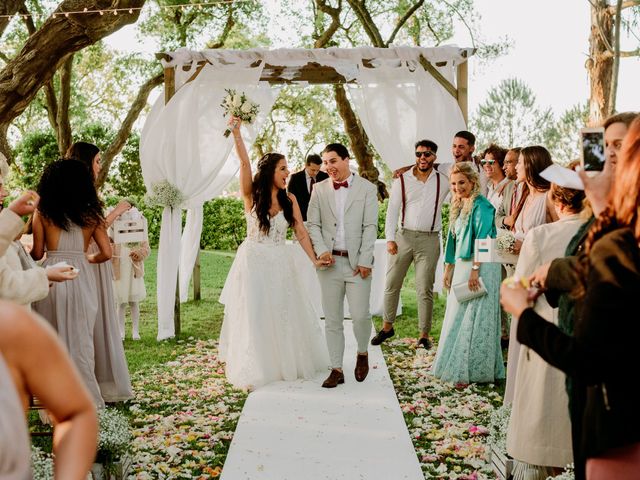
(498, 426)
(567, 474)
(240, 106)
(41, 464)
(164, 194)
(506, 241)
(114, 439)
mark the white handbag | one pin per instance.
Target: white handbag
(464, 294)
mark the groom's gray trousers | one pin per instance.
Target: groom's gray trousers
(335, 282)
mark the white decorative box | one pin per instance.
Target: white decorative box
(502, 464)
(130, 230)
(487, 252)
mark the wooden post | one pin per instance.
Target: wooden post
(463, 89)
(196, 277)
(169, 91)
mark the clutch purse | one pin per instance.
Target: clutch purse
(464, 294)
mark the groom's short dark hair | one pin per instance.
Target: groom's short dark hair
(338, 148)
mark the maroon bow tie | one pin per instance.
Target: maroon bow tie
(337, 185)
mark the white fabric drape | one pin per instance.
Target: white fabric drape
(399, 106)
(182, 143)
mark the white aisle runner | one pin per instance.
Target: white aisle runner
(301, 431)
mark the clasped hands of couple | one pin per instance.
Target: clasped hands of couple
(326, 260)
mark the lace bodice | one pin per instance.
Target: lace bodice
(277, 232)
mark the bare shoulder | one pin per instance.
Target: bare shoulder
(292, 197)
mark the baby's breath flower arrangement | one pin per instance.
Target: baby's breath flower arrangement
(41, 464)
(567, 474)
(505, 241)
(164, 194)
(498, 425)
(114, 439)
(240, 106)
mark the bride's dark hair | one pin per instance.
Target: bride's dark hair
(261, 192)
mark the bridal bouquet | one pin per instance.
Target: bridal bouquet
(240, 106)
(506, 241)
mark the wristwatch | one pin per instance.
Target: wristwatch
(475, 267)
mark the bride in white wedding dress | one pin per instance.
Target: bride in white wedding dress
(271, 330)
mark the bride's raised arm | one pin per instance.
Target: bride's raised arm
(246, 180)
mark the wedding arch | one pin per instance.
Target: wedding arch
(400, 94)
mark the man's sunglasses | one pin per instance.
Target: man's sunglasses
(487, 162)
(424, 154)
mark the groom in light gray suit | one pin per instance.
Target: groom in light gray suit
(343, 224)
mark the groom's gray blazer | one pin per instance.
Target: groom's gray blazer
(360, 220)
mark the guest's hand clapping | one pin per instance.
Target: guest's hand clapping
(539, 277)
(514, 298)
(25, 204)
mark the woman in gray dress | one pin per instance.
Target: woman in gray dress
(111, 367)
(63, 226)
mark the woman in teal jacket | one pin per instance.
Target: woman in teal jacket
(469, 349)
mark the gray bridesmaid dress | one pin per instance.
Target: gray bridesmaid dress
(71, 307)
(15, 452)
(112, 371)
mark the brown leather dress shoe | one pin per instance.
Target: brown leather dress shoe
(362, 367)
(335, 378)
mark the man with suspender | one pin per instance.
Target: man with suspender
(415, 205)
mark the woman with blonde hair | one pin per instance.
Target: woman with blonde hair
(469, 348)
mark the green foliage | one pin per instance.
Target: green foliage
(224, 226)
(32, 155)
(510, 116)
(127, 179)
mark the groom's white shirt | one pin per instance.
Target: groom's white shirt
(359, 219)
(341, 198)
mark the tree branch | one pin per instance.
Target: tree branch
(45, 51)
(8, 7)
(627, 4)
(228, 26)
(367, 22)
(4, 143)
(334, 13)
(404, 19)
(52, 105)
(62, 118)
(125, 129)
(28, 20)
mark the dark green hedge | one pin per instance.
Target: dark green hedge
(224, 225)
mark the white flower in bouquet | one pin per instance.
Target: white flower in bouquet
(164, 194)
(240, 106)
(506, 241)
(114, 438)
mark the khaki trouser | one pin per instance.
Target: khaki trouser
(423, 249)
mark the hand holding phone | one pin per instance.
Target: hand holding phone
(592, 149)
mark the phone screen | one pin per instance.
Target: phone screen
(593, 155)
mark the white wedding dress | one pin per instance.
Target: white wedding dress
(271, 330)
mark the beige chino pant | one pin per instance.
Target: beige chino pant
(423, 249)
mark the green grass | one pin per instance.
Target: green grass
(202, 319)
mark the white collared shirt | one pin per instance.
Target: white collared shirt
(307, 178)
(420, 198)
(341, 194)
(495, 194)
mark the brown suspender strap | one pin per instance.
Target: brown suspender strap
(435, 207)
(404, 200)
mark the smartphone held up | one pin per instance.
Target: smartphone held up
(592, 149)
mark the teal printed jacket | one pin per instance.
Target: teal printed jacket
(481, 225)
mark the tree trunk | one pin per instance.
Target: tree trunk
(46, 50)
(600, 62)
(62, 121)
(125, 129)
(359, 141)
